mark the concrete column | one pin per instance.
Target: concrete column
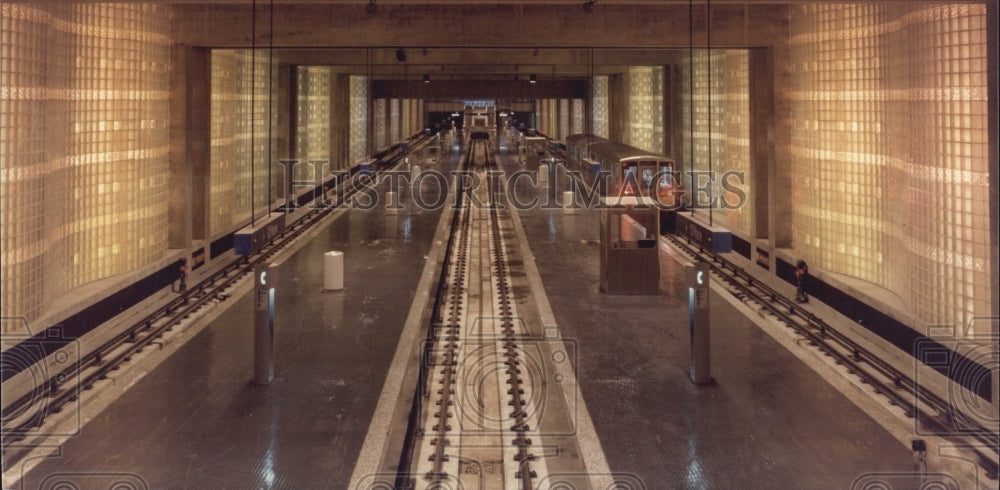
(340, 121)
(780, 173)
(761, 138)
(993, 89)
(190, 145)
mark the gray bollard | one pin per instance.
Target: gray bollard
(701, 362)
(263, 337)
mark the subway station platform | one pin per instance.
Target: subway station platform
(196, 420)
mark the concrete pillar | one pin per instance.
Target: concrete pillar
(780, 174)
(992, 83)
(761, 139)
(340, 121)
(190, 145)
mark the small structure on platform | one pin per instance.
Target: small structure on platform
(630, 259)
(333, 271)
(263, 337)
(251, 239)
(708, 237)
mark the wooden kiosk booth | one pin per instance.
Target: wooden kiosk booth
(630, 257)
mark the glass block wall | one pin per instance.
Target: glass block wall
(577, 122)
(240, 147)
(359, 119)
(380, 124)
(599, 102)
(644, 128)
(890, 148)
(541, 115)
(312, 125)
(563, 119)
(395, 120)
(720, 103)
(554, 117)
(83, 143)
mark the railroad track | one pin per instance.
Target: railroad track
(933, 413)
(471, 420)
(22, 418)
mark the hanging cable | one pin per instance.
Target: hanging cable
(711, 200)
(270, 107)
(691, 173)
(253, 107)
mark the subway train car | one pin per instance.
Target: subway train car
(628, 170)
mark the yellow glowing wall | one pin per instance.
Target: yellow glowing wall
(644, 126)
(312, 123)
(359, 118)
(240, 143)
(720, 140)
(564, 119)
(599, 101)
(83, 146)
(395, 121)
(890, 150)
(380, 122)
(578, 118)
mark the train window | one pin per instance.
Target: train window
(647, 177)
(628, 172)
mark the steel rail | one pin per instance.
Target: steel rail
(444, 339)
(53, 394)
(901, 390)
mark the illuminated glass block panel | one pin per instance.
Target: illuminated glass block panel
(552, 124)
(84, 147)
(380, 122)
(564, 116)
(599, 96)
(359, 118)
(715, 115)
(890, 143)
(578, 121)
(395, 121)
(644, 127)
(241, 149)
(312, 125)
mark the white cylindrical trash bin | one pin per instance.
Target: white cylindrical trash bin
(543, 173)
(414, 173)
(333, 271)
(567, 202)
